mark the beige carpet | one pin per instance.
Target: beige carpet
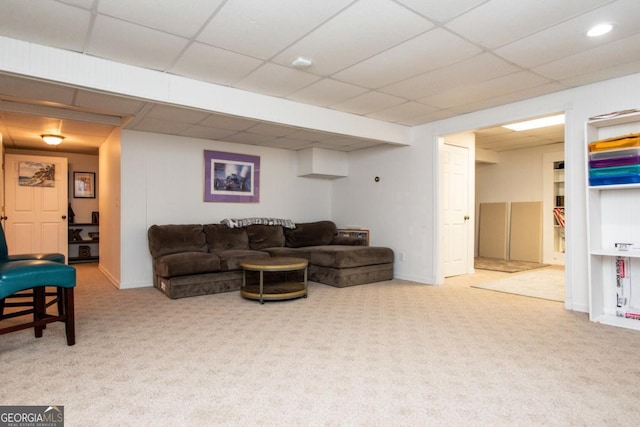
(546, 283)
(504, 265)
(395, 353)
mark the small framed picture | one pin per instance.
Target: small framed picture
(84, 185)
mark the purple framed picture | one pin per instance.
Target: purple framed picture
(231, 177)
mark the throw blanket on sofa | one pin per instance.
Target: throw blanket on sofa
(243, 222)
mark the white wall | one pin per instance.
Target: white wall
(402, 210)
(163, 183)
(109, 203)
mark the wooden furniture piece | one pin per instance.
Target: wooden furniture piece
(361, 233)
(274, 291)
(83, 248)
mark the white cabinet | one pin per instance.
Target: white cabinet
(613, 217)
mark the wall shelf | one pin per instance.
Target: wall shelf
(87, 249)
(612, 218)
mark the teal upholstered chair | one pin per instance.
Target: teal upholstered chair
(26, 276)
(25, 299)
(34, 275)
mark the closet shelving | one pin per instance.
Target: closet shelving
(612, 217)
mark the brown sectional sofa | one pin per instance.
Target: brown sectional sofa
(199, 259)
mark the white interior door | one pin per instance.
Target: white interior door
(35, 207)
(455, 209)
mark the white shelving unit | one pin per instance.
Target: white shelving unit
(612, 217)
(558, 204)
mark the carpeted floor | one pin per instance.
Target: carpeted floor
(504, 265)
(394, 353)
(545, 283)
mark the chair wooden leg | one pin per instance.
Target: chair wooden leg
(38, 309)
(60, 297)
(70, 321)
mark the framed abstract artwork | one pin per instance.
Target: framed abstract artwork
(84, 185)
(231, 177)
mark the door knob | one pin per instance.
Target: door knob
(466, 217)
(64, 217)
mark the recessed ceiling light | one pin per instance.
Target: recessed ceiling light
(537, 123)
(301, 63)
(599, 30)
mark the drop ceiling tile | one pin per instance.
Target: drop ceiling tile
(203, 132)
(503, 85)
(416, 56)
(427, 118)
(402, 112)
(85, 128)
(27, 121)
(368, 103)
(49, 23)
(176, 114)
(605, 74)
(85, 4)
(31, 90)
(261, 29)
(249, 138)
(271, 129)
(227, 122)
(107, 104)
(166, 15)
(498, 22)
(309, 136)
(327, 92)
(485, 67)
(507, 99)
(592, 61)
(212, 64)
(570, 37)
(275, 80)
(132, 44)
(289, 144)
(361, 145)
(362, 30)
(441, 11)
(160, 126)
(341, 140)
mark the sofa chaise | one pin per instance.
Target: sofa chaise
(199, 259)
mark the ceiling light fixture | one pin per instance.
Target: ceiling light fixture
(537, 123)
(52, 139)
(599, 30)
(301, 63)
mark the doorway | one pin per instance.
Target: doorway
(521, 167)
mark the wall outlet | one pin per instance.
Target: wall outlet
(401, 256)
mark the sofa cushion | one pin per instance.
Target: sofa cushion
(231, 259)
(289, 252)
(222, 238)
(187, 263)
(310, 234)
(350, 256)
(172, 239)
(265, 236)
